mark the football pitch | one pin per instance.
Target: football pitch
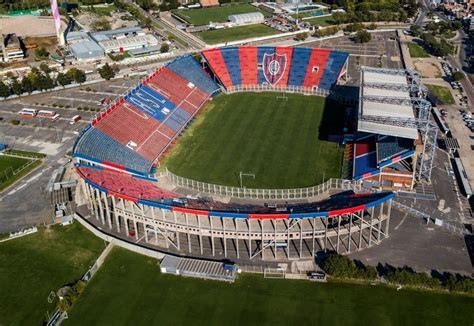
(220, 14)
(236, 33)
(9, 164)
(282, 141)
(130, 290)
(34, 265)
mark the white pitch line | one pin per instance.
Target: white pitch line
(401, 222)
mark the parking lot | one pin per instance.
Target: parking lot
(85, 101)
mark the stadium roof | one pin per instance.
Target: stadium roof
(377, 88)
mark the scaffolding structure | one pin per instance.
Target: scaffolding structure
(422, 120)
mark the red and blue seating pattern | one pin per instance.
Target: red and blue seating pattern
(372, 152)
(128, 187)
(133, 132)
(303, 67)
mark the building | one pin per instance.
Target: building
(11, 48)
(129, 43)
(209, 3)
(82, 47)
(248, 18)
(117, 34)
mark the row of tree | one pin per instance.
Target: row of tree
(343, 267)
(437, 46)
(40, 79)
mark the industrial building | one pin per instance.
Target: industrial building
(117, 34)
(82, 47)
(129, 43)
(11, 48)
(248, 18)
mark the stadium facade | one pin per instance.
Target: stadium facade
(116, 158)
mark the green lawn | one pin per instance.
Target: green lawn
(236, 33)
(204, 16)
(130, 290)
(9, 164)
(257, 133)
(321, 21)
(441, 93)
(416, 51)
(33, 266)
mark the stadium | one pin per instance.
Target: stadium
(179, 117)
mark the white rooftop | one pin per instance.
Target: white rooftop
(388, 109)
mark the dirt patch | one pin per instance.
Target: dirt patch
(427, 69)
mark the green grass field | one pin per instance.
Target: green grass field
(441, 93)
(204, 16)
(33, 266)
(257, 133)
(130, 290)
(9, 164)
(236, 33)
(416, 51)
(321, 21)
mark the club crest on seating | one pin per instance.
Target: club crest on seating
(274, 66)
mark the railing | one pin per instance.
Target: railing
(278, 88)
(252, 193)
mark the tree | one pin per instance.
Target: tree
(76, 75)
(63, 79)
(101, 24)
(45, 68)
(17, 89)
(372, 26)
(106, 72)
(457, 76)
(301, 36)
(4, 90)
(415, 30)
(147, 23)
(26, 85)
(164, 47)
(41, 53)
(362, 36)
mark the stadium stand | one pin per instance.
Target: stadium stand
(389, 146)
(248, 64)
(145, 192)
(302, 67)
(124, 185)
(365, 157)
(138, 128)
(97, 146)
(188, 68)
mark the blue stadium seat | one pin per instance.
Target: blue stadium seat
(188, 68)
(232, 61)
(97, 145)
(299, 65)
(150, 102)
(365, 164)
(333, 67)
(388, 147)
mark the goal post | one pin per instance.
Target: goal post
(269, 272)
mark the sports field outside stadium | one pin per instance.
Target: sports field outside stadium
(236, 33)
(11, 169)
(34, 265)
(130, 290)
(216, 14)
(280, 140)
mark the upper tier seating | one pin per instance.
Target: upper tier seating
(121, 183)
(188, 68)
(301, 67)
(388, 147)
(97, 145)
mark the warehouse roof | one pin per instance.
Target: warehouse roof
(85, 48)
(107, 35)
(139, 40)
